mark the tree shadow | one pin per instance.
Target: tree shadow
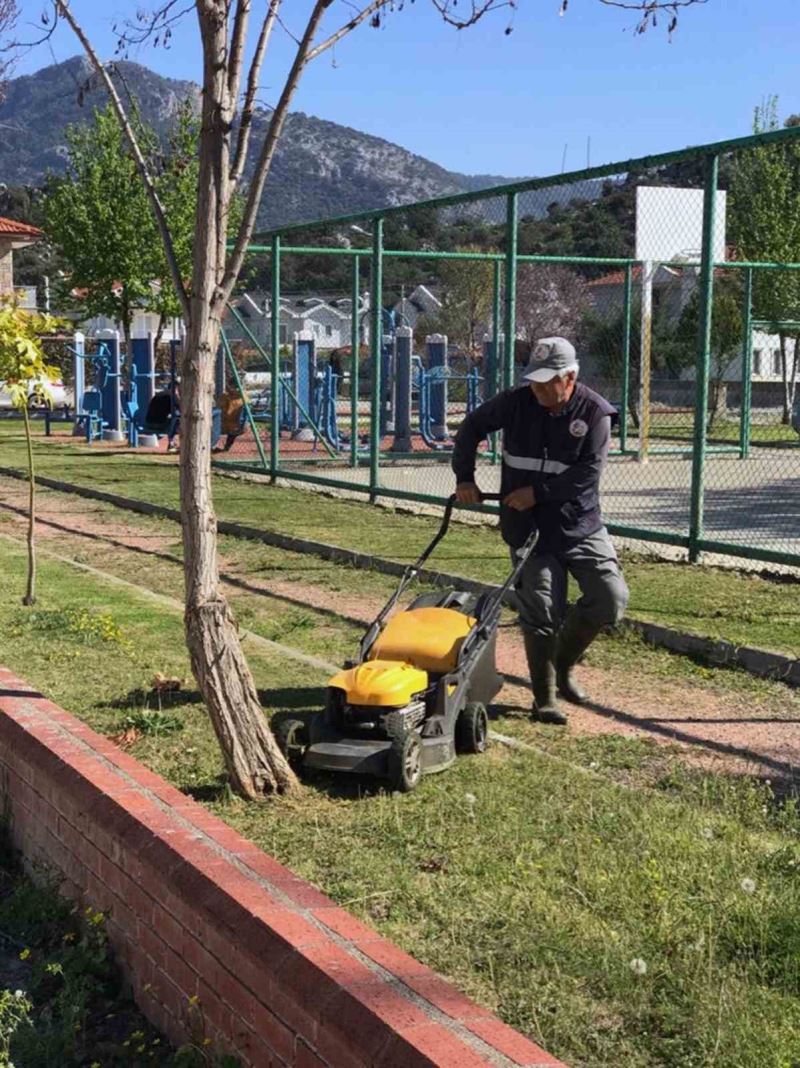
(144, 698)
(501, 710)
(209, 793)
(291, 702)
(788, 774)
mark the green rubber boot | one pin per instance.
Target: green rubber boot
(540, 650)
(574, 639)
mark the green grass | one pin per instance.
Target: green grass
(333, 631)
(743, 608)
(680, 427)
(536, 882)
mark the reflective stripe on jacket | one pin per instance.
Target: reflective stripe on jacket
(561, 456)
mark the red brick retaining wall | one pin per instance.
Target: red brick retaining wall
(283, 975)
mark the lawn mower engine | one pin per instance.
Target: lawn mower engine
(417, 693)
(410, 707)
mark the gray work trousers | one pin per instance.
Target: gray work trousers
(542, 586)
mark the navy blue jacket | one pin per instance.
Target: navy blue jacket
(561, 456)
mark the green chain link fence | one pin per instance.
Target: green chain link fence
(641, 263)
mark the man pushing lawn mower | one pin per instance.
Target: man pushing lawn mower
(556, 434)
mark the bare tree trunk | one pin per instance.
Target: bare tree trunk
(30, 593)
(254, 762)
(162, 322)
(795, 369)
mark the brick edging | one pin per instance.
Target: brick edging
(759, 662)
(283, 975)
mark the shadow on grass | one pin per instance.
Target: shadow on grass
(140, 698)
(786, 771)
(209, 793)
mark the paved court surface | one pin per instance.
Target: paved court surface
(753, 502)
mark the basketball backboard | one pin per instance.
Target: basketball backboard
(669, 224)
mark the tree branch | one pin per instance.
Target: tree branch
(248, 107)
(63, 9)
(238, 38)
(370, 9)
(159, 23)
(649, 10)
(475, 11)
(268, 151)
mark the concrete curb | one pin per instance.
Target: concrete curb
(759, 662)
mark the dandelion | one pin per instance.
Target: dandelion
(748, 885)
(638, 966)
(594, 765)
(707, 832)
(470, 799)
(194, 999)
(25, 954)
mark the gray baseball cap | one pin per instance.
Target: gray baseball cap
(550, 356)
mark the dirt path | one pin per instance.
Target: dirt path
(728, 730)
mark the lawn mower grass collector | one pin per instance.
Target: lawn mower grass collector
(417, 693)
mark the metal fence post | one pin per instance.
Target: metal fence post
(375, 348)
(248, 411)
(747, 367)
(496, 379)
(275, 343)
(703, 357)
(645, 357)
(511, 290)
(626, 360)
(355, 353)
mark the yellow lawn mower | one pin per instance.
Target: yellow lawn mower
(417, 693)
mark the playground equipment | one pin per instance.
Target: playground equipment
(98, 408)
(157, 413)
(417, 692)
(123, 399)
(433, 384)
(308, 402)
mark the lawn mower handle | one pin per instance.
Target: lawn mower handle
(492, 603)
(445, 524)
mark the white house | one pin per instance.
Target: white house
(142, 324)
(673, 286)
(327, 321)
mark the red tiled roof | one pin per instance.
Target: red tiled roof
(617, 278)
(19, 229)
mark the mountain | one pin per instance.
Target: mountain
(320, 169)
(38, 108)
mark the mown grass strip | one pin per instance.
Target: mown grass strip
(742, 608)
(617, 926)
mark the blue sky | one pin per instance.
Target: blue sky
(479, 101)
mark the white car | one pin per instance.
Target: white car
(54, 394)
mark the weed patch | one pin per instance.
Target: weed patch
(72, 624)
